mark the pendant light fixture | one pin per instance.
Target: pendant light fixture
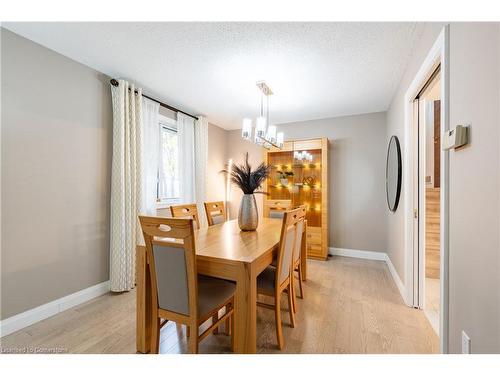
(266, 134)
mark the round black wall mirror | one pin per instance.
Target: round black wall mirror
(393, 173)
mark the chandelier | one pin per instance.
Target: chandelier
(265, 134)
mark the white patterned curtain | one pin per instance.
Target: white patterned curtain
(133, 178)
(201, 158)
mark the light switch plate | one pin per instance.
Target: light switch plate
(465, 343)
(456, 138)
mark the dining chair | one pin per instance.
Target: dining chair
(191, 211)
(186, 211)
(274, 281)
(178, 293)
(297, 263)
(275, 208)
(215, 212)
(216, 215)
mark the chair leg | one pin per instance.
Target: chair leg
(277, 313)
(155, 335)
(290, 304)
(188, 331)
(193, 341)
(228, 321)
(294, 294)
(231, 322)
(300, 282)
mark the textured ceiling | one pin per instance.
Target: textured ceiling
(316, 70)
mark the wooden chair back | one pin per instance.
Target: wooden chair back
(170, 253)
(186, 211)
(275, 208)
(286, 248)
(301, 221)
(216, 214)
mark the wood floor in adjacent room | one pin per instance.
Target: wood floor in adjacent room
(351, 306)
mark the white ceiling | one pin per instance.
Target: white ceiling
(316, 70)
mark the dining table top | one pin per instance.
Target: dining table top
(226, 240)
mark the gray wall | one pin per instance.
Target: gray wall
(474, 278)
(217, 158)
(475, 187)
(357, 150)
(56, 157)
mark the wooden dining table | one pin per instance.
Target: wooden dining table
(226, 252)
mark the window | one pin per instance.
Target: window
(168, 172)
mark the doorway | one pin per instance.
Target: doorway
(435, 65)
(428, 175)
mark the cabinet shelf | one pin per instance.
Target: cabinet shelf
(308, 185)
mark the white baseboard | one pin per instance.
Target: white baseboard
(363, 254)
(374, 255)
(433, 319)
(27, 318)
(397, 280)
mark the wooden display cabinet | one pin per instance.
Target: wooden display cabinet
(303, 182)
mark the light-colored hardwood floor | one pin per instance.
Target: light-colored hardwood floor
(431, 306)
(351, 306)
(432, 232)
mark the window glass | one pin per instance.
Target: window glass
(168, 181)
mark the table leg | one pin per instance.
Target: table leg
(143, 307)
(245, 324)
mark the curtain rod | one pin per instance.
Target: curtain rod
(114, 82)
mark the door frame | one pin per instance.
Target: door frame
(438, 55)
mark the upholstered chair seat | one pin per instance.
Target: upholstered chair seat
(266, 281)
(212, 293)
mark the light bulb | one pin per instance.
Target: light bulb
(246, 131)
(271, 134)
(260, 129)
(280, 139)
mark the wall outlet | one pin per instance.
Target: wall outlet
(465, 343)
